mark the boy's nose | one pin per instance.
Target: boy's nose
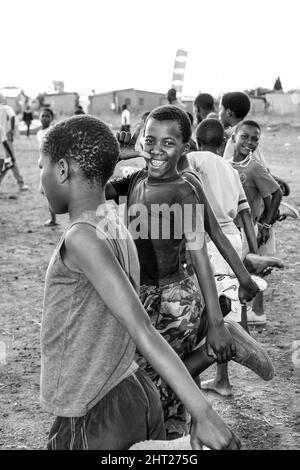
(156, 149)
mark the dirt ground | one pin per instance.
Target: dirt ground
(266, 415)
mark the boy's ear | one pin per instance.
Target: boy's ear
(233, 138)
(228, 112)
(64, 170)
(186, 149)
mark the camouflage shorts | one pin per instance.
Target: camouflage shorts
(175, 311)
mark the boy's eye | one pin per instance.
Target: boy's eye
(148, 141)
(168, 143)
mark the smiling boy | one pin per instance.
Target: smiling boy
(167, 292)
(262, 191)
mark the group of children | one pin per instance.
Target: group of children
(130, 320)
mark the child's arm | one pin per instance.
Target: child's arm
(270, 216)
(248, 288)
(219, 343)
(86, 253)
(249, 230)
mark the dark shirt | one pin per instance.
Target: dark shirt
(27, 116)
(158, 251)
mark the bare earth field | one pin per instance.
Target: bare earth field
(266, 415)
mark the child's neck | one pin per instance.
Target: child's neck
(182, 163)
(45, 127)
(209, 148)
(234, 121)
(237, 157)
(86, 202)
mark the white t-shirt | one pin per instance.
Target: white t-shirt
(125, 118)
(6, 113)
(222, 187)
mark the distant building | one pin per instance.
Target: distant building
(62, 104)
(15, 97)
(283, 103)
(137, 101)
(58, 86)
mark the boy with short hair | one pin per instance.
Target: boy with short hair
(46, 118)
(234, 107)
(262, 191)
(203, 105)
(168, 293)
(92, 317)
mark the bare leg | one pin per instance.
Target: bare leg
(220, 384)
(52, 221)
(258, 304)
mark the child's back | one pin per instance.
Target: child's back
(95, 350)
(222, 187)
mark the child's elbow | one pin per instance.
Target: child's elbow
(278, 194)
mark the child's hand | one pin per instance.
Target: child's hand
(219, 343)
(127, 143)
(263, 234)
(214, 433)
(126, 139)
(248, 291)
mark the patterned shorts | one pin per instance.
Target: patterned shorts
(175, 311)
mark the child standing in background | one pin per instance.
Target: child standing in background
(46, 118)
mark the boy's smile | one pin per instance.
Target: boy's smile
(163, 147)
(246, 140)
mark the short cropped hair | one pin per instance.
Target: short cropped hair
(205, 101)
(49, 110)
(191, 117)
(238, 102)
(86, 140)
(247, 122)
(210, 132)
(144, 116)
(173, 113)
(171, 94)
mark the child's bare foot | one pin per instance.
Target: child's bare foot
(212, 385)
(50, 223)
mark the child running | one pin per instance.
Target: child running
(168, 292)
(92, 315)
(46, 118)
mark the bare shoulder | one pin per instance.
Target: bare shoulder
(83, 237)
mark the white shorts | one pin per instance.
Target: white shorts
(219, 265)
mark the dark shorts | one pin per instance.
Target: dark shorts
(131, 412)
(175, 311)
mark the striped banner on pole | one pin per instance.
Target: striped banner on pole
(179, 70)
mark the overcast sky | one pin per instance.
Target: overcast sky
(111, 44)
